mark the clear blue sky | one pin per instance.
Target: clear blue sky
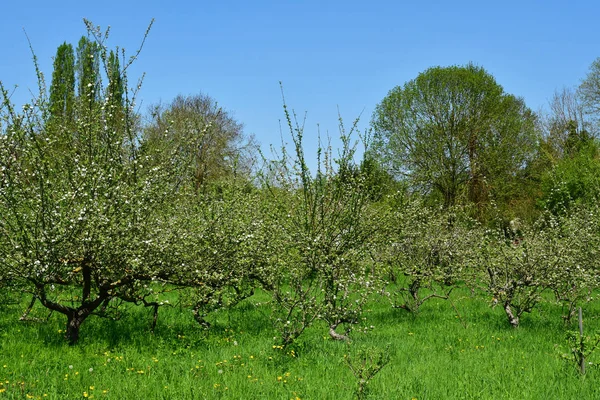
(326, 53)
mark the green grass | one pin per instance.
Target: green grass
(433, 356)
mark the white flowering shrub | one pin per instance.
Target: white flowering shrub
(426, 251)
(575, 277)
(84, 212)
(555, 253)
(324, 228)
(228, 248)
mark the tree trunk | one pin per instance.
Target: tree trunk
(74, 322)
(512, 319)
(154, 316)
(336, 336)
(199, 315)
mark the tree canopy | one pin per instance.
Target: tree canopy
(589, 91)
(207, 136)
(454, 131)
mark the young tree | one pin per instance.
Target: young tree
(426, 252)
(229, 248)
(527, 259)
(82, 218)
(576, 277)
(326, 229)
(452, 130)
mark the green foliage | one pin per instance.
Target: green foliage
(430, 357)
(325, 229)
(88, 72)
(589, 91)
(364, 365)
(115, 91)
(572, 181)
(453, 132)
(426, 252)
(81, 209)
(580, 348)
(62, 88)
(206, 136)
(378, 182)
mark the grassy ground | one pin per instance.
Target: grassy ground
(433, 356)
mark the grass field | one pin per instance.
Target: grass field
(432, 356)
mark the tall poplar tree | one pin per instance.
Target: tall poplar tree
(115, 107)
(62, 88)
(88, 72)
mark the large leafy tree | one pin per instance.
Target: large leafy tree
(589, 91)
(76, 85)
(566, 127)
(453, 131)
(198, 129)
(565, 170)
(572, 180)
(88, 71)
(62, 88)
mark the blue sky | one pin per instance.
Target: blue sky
(328, 54)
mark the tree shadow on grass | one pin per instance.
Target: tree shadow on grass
(175, 327)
